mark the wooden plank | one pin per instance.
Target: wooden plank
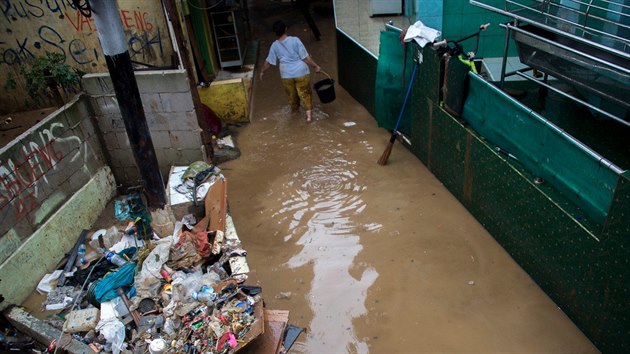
(270, 342)
(257, 329)
(277, 315)
(216, 208)
(216, 205)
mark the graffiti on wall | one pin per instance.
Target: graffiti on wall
(24, 176)
(30, 28)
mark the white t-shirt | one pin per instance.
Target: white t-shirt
(290, 53)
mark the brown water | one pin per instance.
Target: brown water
(371, 258)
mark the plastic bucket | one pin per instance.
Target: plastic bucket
(325, 89)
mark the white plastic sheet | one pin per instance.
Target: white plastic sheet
(45, 285)
(421, 34)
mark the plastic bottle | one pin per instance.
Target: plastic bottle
(206, 294)
(81, 255)
(115, 259)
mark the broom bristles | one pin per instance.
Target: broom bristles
(385, 156)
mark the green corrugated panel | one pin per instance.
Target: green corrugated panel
(618, 221)
(614, 259)
(390, 86)
(550, 246)
(428, 77)
(424, 94)
(448, 152)
(541, 147)
(588, 278)
(357, 79)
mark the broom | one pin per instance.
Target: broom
(388, 150)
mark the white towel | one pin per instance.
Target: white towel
(421, 34)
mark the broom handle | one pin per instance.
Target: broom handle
(402, 109)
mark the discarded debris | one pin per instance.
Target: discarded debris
(284, 295)
(139, 292)
(291, 334)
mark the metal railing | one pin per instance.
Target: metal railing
(601, 21)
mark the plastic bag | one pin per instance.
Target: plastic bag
(45, 285)
(110, 237)
(184, 284)
(149, 280)
(121, 210)
(125, 242)
(114, 332)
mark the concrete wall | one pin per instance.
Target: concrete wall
(53, 183)
(170, 113)
(43, 168)
(40, 253)
(32, 28)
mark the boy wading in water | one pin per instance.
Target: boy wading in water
(294, 60)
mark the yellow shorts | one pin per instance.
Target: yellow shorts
(299, 89)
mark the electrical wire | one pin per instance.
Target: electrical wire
(204, 8)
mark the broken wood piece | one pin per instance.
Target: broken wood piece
(255, 331)
(215, 214)
(270, 341)
(239, 268)
(218, 242)
(134, 313)
(216, 205)
(72, 257)
(43, 332)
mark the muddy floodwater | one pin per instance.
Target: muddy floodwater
(372, 259)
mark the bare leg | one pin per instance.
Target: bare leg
(304, 91)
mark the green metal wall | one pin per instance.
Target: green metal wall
(542, 148)
(460, 19)
(586, 274)
(581, 263)
(357, 79)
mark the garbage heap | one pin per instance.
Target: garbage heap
(138, 293)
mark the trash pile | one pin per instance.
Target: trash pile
(132, 291)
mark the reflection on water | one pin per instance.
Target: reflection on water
(319, 204)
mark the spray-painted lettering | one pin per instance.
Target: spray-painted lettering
(145, 45)
(145, 38)
(22, 177)
(15, 10)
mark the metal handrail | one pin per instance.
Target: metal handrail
(591, 30)
(567, 48)
(580, 145)
(604, 8)
(550, 28)
(537, 8)
(575, 99)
